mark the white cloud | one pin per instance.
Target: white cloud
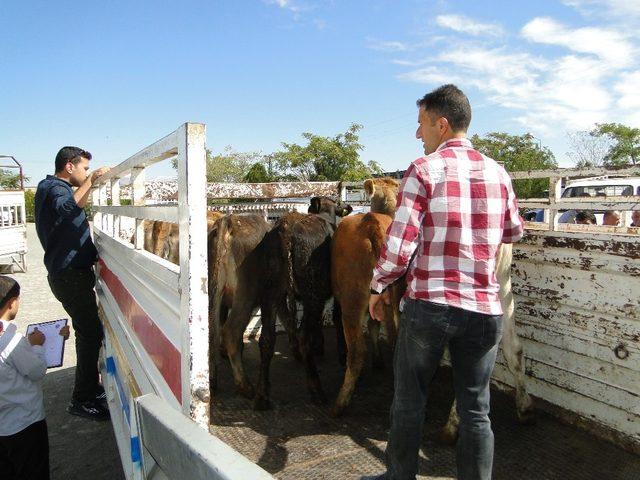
(609, 8)
(387, 46)
(462, 24)
(609, 45)
(548, 96)
(284, 4)
(628, 87)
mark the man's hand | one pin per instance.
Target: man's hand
(64, 332)
(36, 337)
(377, 303)
(98, 173)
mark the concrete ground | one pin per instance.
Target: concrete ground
(79, 449)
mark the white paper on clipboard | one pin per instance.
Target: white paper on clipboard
(53, 343)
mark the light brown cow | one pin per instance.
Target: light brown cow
(355, 251)
(356, 247)
(163, 238)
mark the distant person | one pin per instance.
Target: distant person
(611, 218)
(585, 218)
(635, 218)
(69, 255)
(24, 440)
(568, 217)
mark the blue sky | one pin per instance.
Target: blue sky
(114, 76)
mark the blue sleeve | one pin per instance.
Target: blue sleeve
(63, 202)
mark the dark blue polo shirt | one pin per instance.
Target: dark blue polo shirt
(62, 227)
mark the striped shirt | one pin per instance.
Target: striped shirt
(455, 207)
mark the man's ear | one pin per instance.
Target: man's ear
(314, 207)
(369, 187)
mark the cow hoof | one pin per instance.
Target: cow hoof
(262, 404)
(528, 417)
(448, 437)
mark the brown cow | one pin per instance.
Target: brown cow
(297, 255)
(353, 258)
(235, 288)
(163, 238)
(355, 251)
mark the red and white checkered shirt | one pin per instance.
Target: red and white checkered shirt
(455, 207)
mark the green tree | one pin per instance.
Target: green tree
(258, 174)
(625, 143)
(517, 153)
(10, 180)
(229, 166)
(325, 158)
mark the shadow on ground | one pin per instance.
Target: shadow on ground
(79, 448)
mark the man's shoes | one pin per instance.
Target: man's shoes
(89, 409)
(101, 399)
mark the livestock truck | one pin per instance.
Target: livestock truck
(576, 290)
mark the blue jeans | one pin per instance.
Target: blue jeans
(425, 329)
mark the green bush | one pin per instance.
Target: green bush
(29, 205)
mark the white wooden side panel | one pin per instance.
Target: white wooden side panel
(578, 316)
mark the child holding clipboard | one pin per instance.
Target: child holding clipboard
(24, 442)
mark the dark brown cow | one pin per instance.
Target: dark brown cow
(356, 248)
(297, 256)
(235, 288)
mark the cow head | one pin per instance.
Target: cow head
(329, 208)
(383, 193)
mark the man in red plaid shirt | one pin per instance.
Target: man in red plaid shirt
(455, 207)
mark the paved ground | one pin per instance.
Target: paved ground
(297, 439)
(80, 449)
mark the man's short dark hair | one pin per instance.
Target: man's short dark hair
(582, 217)
(449, 102)
(70, 154)
(9, 289)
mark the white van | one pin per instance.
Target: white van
(604, 186)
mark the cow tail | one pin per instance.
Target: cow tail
(290, 300)
(217, 281)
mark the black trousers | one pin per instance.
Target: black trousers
(74, 289)
(25, 455)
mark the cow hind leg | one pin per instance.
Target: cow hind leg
(233, 343)
(373, 326)
(512, 351)
(341, 346)
(356, 351)
(267, 346)
(511, 344)
(311, 324)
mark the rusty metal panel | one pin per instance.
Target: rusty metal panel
(578, 314)
(163, 190)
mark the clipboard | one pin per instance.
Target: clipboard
(54, 342)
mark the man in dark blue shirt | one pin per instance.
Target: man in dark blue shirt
(69, 255)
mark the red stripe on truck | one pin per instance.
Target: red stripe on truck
(162, 352)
